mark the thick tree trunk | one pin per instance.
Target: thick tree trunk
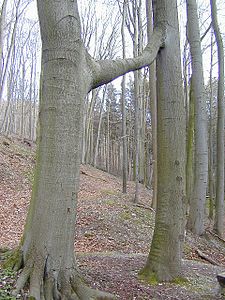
(68, 74)
(197, 203)
(219, 203)
(164, 261)
(48, 249)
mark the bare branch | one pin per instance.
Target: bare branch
(104, 71)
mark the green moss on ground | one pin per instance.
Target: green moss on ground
(125, 215)
(180, 281)
(7, 276)
(12, 260)
(148, 277)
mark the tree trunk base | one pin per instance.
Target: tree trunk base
(154, 274)
(50, 284)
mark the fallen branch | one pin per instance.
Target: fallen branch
(207, 258)
(144, 206)
(216, 235)
(86, 174)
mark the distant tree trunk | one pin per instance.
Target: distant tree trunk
(99, 129)
(107, 163)
(141, 98)
(197, 203)
(164, 260)
(88, 125)
(136, 105)
(211, 156)
(136, 136)
(10, 88)
(153, 104)
(2, 25)
(31, 121)
(190, 146)
(3, 75)
(68, 74)
(123, 104)
(22, 102)
(219, 204)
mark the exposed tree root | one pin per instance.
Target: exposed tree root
(13, 259)
(56, 285)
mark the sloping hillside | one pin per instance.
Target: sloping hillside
(113, 234)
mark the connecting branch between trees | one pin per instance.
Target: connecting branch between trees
(105, 71)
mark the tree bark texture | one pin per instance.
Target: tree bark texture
(197, 203)
(211, 167)
(219, 203)
(68, 74)
(164, 260)
(153, 103)
(190, 146)
(123, 104)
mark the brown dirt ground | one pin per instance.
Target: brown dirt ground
(112, 235)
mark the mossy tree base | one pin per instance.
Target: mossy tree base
(12, 259)
(152, 278)
(148, 276)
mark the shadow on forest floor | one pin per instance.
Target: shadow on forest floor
(113, 234)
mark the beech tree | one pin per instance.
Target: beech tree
(219, 207)
(46, 253)
(197, 201)
(153, 102)
(164, 260)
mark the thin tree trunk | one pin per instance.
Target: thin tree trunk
(99, 129)
(190, 146)
(211, 156)
(108, 138)
(123, 104)
(2, 25)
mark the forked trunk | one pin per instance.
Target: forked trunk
(48, 247)
(68, 74)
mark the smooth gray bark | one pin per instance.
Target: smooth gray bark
(153, 103)
(219, 203)
(190, 146)
(123, 104)
(164, 260)
(2, 25)
(211, 155)
(99, 129)
(197, 203)
(68, 74)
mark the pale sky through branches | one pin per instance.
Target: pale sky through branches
(109, 12)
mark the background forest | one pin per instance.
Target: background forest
(120, 112)
(109, 30)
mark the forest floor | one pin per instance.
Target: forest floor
(113, 234)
